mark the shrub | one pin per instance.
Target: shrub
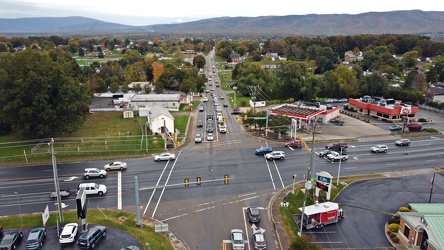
(393, 227)
(395, 239)
(430, 130)
(392, 235)
(404, 209)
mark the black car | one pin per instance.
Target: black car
(90, 238)
(225, 104)
(199, 124)
(210, 128)
(337, 122)
(11, 240)
(325, 153)
(253, 215)
(36, 238)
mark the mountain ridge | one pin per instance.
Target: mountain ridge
(393, 22)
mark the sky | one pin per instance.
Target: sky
(147, 12)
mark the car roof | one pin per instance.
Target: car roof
(254, 210)
(259, 237)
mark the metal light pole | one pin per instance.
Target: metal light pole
(56, 180)
(20, 210)
(165, 134)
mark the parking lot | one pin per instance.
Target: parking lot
(114, 239)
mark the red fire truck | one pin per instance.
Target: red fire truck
(320, 214)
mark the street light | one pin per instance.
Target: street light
(20, 210)
(339, 168)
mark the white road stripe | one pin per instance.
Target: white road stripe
(269, 171)
(119, 190)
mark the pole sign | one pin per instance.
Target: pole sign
(45, 215)
(323, 182)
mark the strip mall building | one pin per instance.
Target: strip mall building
(383, 109)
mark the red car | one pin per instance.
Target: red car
(293, 144)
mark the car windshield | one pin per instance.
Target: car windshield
(7, 240)
(96, 186)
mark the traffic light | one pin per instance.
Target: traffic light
(245, 117)
(294, 176)
(226, 179)
(187, 182)
(236, 117)
(199, 181)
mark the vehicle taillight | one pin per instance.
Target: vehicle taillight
(36, 240)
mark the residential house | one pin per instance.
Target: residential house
(435, 94)
(158, 118)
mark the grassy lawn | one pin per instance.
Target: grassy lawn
(109, 218)
(104, 135)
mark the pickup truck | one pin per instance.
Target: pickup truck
(63, 193)
(335, 156)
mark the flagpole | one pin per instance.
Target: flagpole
(431, 186)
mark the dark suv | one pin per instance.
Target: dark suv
(337, 146)
(253, 215)
(90, 238)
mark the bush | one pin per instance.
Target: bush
(393, 227)
(392, 235)
(404, 209)
(430, 130)
(395, 239)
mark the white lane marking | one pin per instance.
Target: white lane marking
(269, 171)
(350, 168)
(175, 217)
(119, 190)
(246, 228)
(279, 173)
(242, 195)
(203, 209)
(166, 183)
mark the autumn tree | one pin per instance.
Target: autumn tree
(157, 70)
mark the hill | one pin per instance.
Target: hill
(394, 22)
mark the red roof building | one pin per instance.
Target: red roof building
(383, 110)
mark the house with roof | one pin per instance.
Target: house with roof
(435, 94)
(235, 58)
(158, 119)
(423, 226)
(168, 101)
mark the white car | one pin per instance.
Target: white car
(237, 239)
(165, 157)
(198, 138)
(275, 155)
(210, 137)
(379, 149)
(92, 188)
(117, 165)
(93, 172)
(205, 99)
(69, 233)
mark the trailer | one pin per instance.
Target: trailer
(320, 214)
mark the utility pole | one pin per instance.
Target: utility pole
(56, 180)
(136, 190)
(165, 134)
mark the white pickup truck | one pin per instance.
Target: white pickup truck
(335, 156)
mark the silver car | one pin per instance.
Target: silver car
(379, 149)
(198, 138)
(94, 172)
(117, 165)
(237, 239)
(165, 157)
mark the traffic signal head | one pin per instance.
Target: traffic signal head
(187, 182)
(199, 181)
(294, 176)
(226, 179)
(245, 117)
(236, 117)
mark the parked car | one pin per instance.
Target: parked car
(36, 238)
(402, 142)
(11, 240)
(117, 165)
(263, 150)
(165, 157)
(92, 188)
(395, 128)
(198, 138)
(253, 214)
(293, 144)
(275, 155)
(337, 122)
(69, 233)
(337, 146)
(259, 241)
(325, 153)
(210, 137)
(237, 239)
(94, 172)
(379, 149)
(90, 238)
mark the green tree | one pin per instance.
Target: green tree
(410, 59)
(374, 85)
(41, 93)
(199, 61)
